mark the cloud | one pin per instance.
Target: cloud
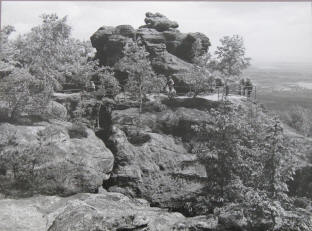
(272, 31)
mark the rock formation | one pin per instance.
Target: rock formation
(52, 158)
(152, 161)
(171, 52)
(85, 212)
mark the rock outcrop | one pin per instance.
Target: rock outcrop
(159, 22)
(102, 212)
(171, 52)
(52, 158)
(152, 160)
(149, 167)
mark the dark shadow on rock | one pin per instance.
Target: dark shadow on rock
(193, 103)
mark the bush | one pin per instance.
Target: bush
(153, 107)
(77, 131)
(137, 137)
(299, 118)
(19, 169)
(109, 85)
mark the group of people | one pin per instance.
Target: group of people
(90, 86)
(245, 87)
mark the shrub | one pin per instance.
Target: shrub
(19, 168)
(109, 85)
(77, 131)
(299, 118)
(154, 107)
(23, 93)
(137, 137)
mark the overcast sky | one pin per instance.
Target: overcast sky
(272, 31)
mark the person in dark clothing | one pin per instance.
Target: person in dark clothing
(170, 84)
(170, 89)
(249, 87)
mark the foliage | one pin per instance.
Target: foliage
(154, 106)
(230, 58)
(141, 78)
(278, 161)
(256, 153)
(247, 162)
(21, 164)
(6, 50)
(199, 78)
(108, 83)
(299, 118)
(77, 131)
(23, 93)
(50, 53)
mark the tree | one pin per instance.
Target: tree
(7, 52)
(199, 78)
(5, 49)
(141, 77)
(23, 93)
(49, 52)
(223, 148)
(277, 159)
(230, 58)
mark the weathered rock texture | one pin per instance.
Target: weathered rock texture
(86, 212)
(171, 52)
(151, 159)
(56, 158)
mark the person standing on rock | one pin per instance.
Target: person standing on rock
(169, 88)
(170, 84)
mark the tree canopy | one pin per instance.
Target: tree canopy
(230, 58)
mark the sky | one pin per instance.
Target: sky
(272, 31)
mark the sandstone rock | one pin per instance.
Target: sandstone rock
(62, 97)
(159, 22)
(56, 110)
(110, 41)
(150, 169)
(151, 159)
(100, 37)
(125, 30)
(63, 165)
(192, 46)
(172, 52)
(86, 212)
(169, 64)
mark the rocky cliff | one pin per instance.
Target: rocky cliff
(152, 160)
(171, 52)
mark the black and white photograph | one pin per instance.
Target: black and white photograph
(155, 115)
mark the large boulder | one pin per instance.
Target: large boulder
(52, 158)
(192, 46)
(159, 22)
(109, 211)
(110, 41)
(86, 212)
(56, 110)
